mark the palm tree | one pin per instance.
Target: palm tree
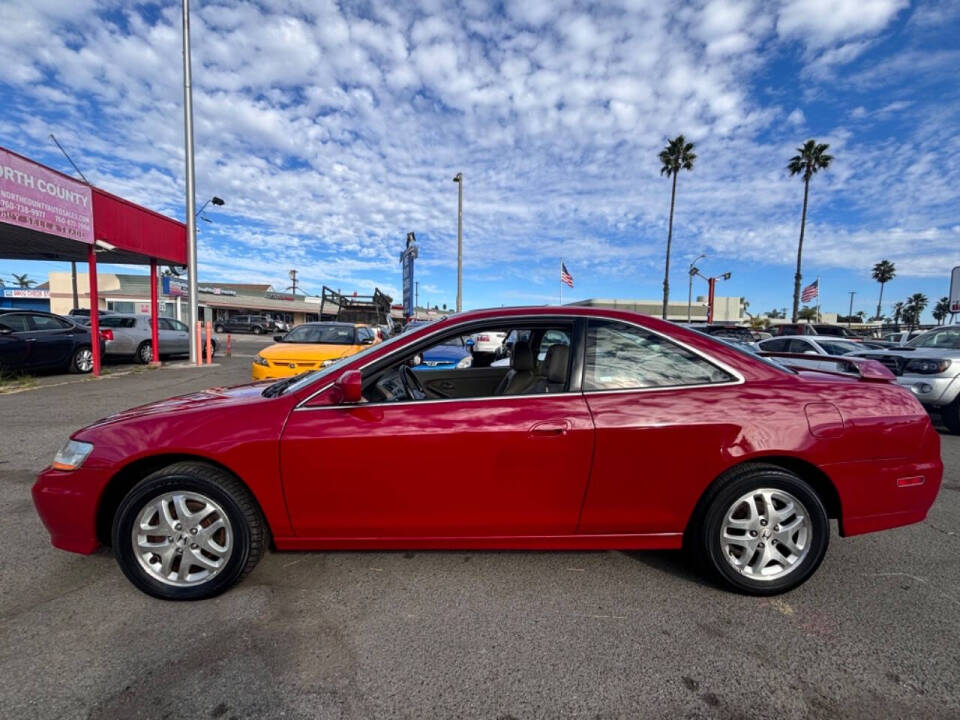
(883, 272)
(811, 158)
(807, 313)
(915, 306)
(23, 281)
(676, 156)
(897, 313)
(941, 310)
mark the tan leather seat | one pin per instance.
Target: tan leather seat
(520, 378)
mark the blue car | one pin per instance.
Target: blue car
(452, 354)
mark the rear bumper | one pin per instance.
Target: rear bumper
(882, 494)
(67, 504)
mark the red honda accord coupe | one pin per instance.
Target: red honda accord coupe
(606, 430)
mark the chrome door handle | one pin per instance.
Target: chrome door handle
(551, 428)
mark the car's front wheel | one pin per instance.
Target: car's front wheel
(218, 328)
(188, 531)
(144, 353)
(763, 530)
(257, 330)
(950, 415)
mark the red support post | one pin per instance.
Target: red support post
(94, 309)
(154, 313)
(712, 282)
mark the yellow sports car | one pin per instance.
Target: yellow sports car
(311, 346)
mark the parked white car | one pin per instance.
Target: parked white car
(811, 345)
(489, 342)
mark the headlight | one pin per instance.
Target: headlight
(72, 455)
(926, 366)
(260, 360)
(465, 362)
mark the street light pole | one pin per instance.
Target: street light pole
(850, 312)
(191, 189)
(693, 271)
(458, 179)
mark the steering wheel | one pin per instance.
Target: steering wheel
(412, 384)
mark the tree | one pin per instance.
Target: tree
(913, 308)
(775, 314)
(811, 157)
(807, 313)
(676, 156)
(897, 313)
(941, 310)
(23, 281)
(883, 272)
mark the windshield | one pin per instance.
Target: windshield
(947, 338)
(301, 381)
(326, 334)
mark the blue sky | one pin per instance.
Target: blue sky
(332, 129)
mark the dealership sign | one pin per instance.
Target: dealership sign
(174, 287)
(36, 198)
(409, 254)
(215, 290)
(24, 293)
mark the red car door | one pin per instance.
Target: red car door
(504, 465)
(663, 412)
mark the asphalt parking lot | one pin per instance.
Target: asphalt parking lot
(875, 633)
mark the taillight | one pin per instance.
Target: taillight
(106, 334)
(483, 338)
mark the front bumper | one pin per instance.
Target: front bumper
(931, 390)
(67, 504)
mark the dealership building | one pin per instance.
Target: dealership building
(726, 310)
(218, 301)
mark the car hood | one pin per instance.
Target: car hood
(292, 352)
(445, 353)
(219, 398)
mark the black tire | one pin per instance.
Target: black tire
(82, 360)
(251, 535)
(218, 328)
(144, 353)
(704, 534)
(257, 330)
(950, 415)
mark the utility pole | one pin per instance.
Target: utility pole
(850, 312)
(73, 263)
(416, 295)
(293, 280)
(191, 189)
(458, 179)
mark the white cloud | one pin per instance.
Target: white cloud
(823, 22)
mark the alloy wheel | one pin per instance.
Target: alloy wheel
(182, 538)
(766, 534)
(85, 360)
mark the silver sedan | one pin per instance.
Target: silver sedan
(132, 336)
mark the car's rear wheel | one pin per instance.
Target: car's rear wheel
(950, 415)
(188, 531)
(218, 328)
(144, 353)
(763, 530)
(82, 360)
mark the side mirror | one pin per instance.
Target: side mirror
(278, 338)
(366, 341)
(416, 359)
(350, 386)
(469, 343)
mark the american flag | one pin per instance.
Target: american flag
(810, 291)
(565, 277)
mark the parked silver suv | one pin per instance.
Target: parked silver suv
(131, 336)
(930, 366)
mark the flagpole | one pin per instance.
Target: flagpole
(561, 281)
(819, 293)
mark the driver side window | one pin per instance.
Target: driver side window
(531, 361)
